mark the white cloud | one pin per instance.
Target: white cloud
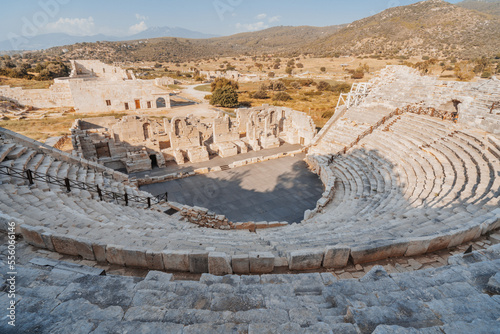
(251, 26)
(72, 26)
(274, 19)
(141, 17)
(261, 16)
(137, 28)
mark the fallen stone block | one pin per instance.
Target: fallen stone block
(64, 245)
(418, 246)
(240, 264)
(261, 262)
(198, 262)
(439, 242)
(336, 256)
(219, 264)
(99, 251)
(154, 260)
(114, 254)
(47, 239)
(84, 248)
(33, 235)
(305, 259)
(378, 250)
(135, 257)
(176, 260)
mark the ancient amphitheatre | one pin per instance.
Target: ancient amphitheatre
(398, 198)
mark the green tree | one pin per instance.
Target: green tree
(226, 97)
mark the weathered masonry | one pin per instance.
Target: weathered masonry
(139, 143)
(95, 87)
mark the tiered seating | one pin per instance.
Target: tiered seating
(421, 176)
(414, 176)
(350, 127)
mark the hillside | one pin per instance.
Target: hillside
(486, 6)
(432, 27)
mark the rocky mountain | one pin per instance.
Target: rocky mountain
(433, 27)
(485, 6)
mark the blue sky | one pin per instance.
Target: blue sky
(220, 17)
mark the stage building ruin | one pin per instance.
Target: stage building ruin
(140, 143)
(95, 87)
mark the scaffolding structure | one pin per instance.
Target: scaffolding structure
(357, 94)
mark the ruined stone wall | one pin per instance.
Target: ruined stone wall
(92, 95)
(58, 95)
(109, 89)
(400, 86)
(224, 131)
(99, 69)
(261, 124)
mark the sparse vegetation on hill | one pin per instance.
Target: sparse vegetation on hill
(434, 27)
(485, 6)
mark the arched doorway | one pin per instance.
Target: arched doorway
(160, 102)
(145, 129)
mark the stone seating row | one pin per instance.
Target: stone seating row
(461, 297)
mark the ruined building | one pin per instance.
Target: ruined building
(94, 87)
(138, 143)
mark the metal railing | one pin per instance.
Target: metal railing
(104, 194)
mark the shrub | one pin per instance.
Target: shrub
(323, 86)
(357, 75)
(271, 74)
(323, 69)
(245, 104)
(260, 94)
(341, 87)
(282, 97)
(224, 97)
(306, 82)
(223, 82)
(486, 75)
(277, 86)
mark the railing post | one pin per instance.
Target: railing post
(30, 176)
(66, 182)
(126, 199)
(99, 192)
(149, 202)
(166, 196)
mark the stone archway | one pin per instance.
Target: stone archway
(146, 128)
(161, 103)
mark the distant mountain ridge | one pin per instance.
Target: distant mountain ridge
(433, 27)
(46, 41)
